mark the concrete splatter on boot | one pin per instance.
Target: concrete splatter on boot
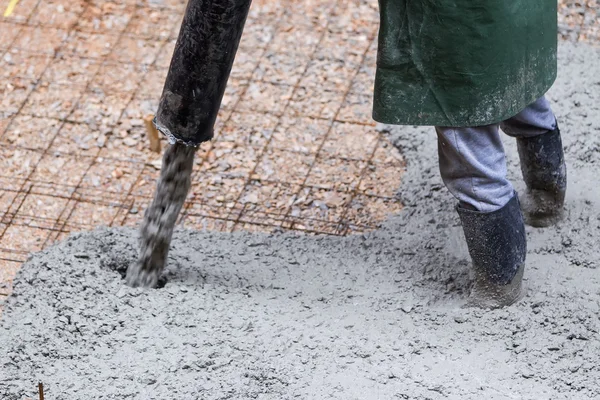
(159, 219)
(497, 245)
(545, 174)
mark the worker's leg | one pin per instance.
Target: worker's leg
(473, 167)
(542, 162)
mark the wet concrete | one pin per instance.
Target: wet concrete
(375, 316)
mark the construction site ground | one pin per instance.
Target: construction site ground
(377, 315)
(295, 146)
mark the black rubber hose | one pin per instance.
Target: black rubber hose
(204, 53)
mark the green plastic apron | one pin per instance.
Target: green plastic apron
(462, 62)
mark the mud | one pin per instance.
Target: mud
(374, 316)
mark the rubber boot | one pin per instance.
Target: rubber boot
(545, 174)
(497, 245)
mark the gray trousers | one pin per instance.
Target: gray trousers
(472, 160)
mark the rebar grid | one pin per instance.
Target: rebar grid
(56, 181)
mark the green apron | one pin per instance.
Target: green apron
(462, 62)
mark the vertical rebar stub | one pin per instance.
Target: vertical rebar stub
(152, 133)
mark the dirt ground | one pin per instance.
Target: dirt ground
(369, 316)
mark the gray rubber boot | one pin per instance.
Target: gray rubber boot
(497, 245)
(545, 174)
